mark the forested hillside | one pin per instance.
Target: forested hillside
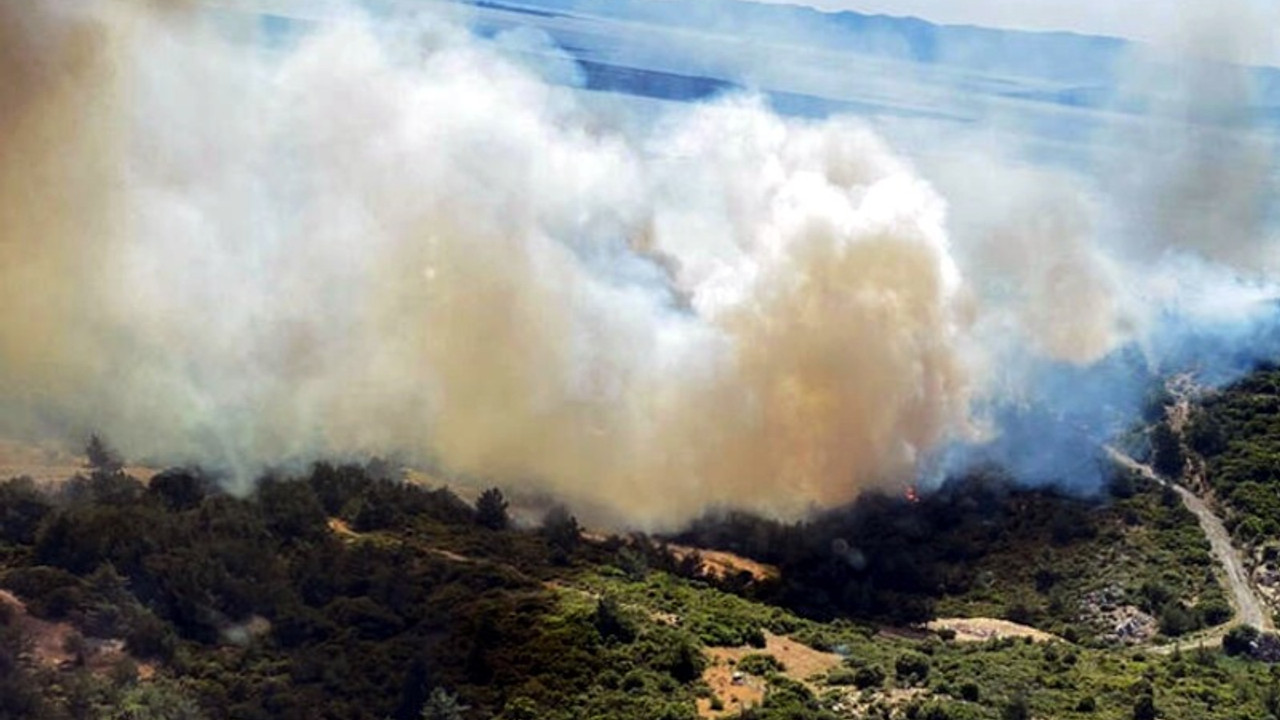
(348, 593)
(1237, 432)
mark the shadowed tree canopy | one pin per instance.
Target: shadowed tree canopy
(491, 510)
(102, 458)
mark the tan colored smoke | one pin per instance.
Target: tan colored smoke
(59, 165)
(216, 251)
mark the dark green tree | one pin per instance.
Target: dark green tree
(22, 508)
(1205, 434)
(869, 676)
(291, 509)
(178, 489)
(684, 662)
(1240, 640)
(337, 486)
(1018, 708)
(911, 668)
(562, 533)
(610, 621)
(102, 458)
(1176, 619)
(1167, 457)
(491, 510)
(1144, 707)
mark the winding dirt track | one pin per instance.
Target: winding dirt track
(1249, 608)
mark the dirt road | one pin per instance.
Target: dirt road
(1249, 608)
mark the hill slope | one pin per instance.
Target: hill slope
(349, 594)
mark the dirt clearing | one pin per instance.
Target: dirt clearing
(981, 629)
(800, 663)
(719, 564)
(47, 465)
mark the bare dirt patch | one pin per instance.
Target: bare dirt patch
(735, 695)
(455, 557)
(980, 629)
(48, 639)
(47, 465)
(342, 529)
(58, 645)
(720, 564)
(800, 663)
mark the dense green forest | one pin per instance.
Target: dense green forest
(345, 592)
(1237, 432)
(982, 546)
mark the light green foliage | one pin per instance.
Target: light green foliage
(161, 700)
(760, 664)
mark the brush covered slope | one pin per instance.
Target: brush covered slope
(1229, 450)
(347, 593)
(1097, 570)
(1233, 437)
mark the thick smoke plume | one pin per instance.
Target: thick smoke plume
(392, 238)
(375, 243)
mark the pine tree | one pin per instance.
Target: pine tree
(491, 510)
(101, 457)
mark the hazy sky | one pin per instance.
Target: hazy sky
(1242, 30)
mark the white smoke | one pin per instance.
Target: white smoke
(391, 239)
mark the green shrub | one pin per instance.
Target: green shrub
(22, 508)
(760, 664)
(1018, 708)
(933, 711)
(911, 668)
(521, 708)
(150, 637)
(157, 700)
(1154, 595)
(842, 676)
(562, 534)
(49, 592)
(1240, 640)
(1176, 619)
(870, 676)
(790, 698)
(684, 662)
(1144, 707)
(611, 622)
(1213, 612)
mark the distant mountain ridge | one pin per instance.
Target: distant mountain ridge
(1059, 54)
(1085, 65)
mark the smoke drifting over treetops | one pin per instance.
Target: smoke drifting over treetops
(390, 238)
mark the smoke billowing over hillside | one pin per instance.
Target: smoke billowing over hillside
(390, 237)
